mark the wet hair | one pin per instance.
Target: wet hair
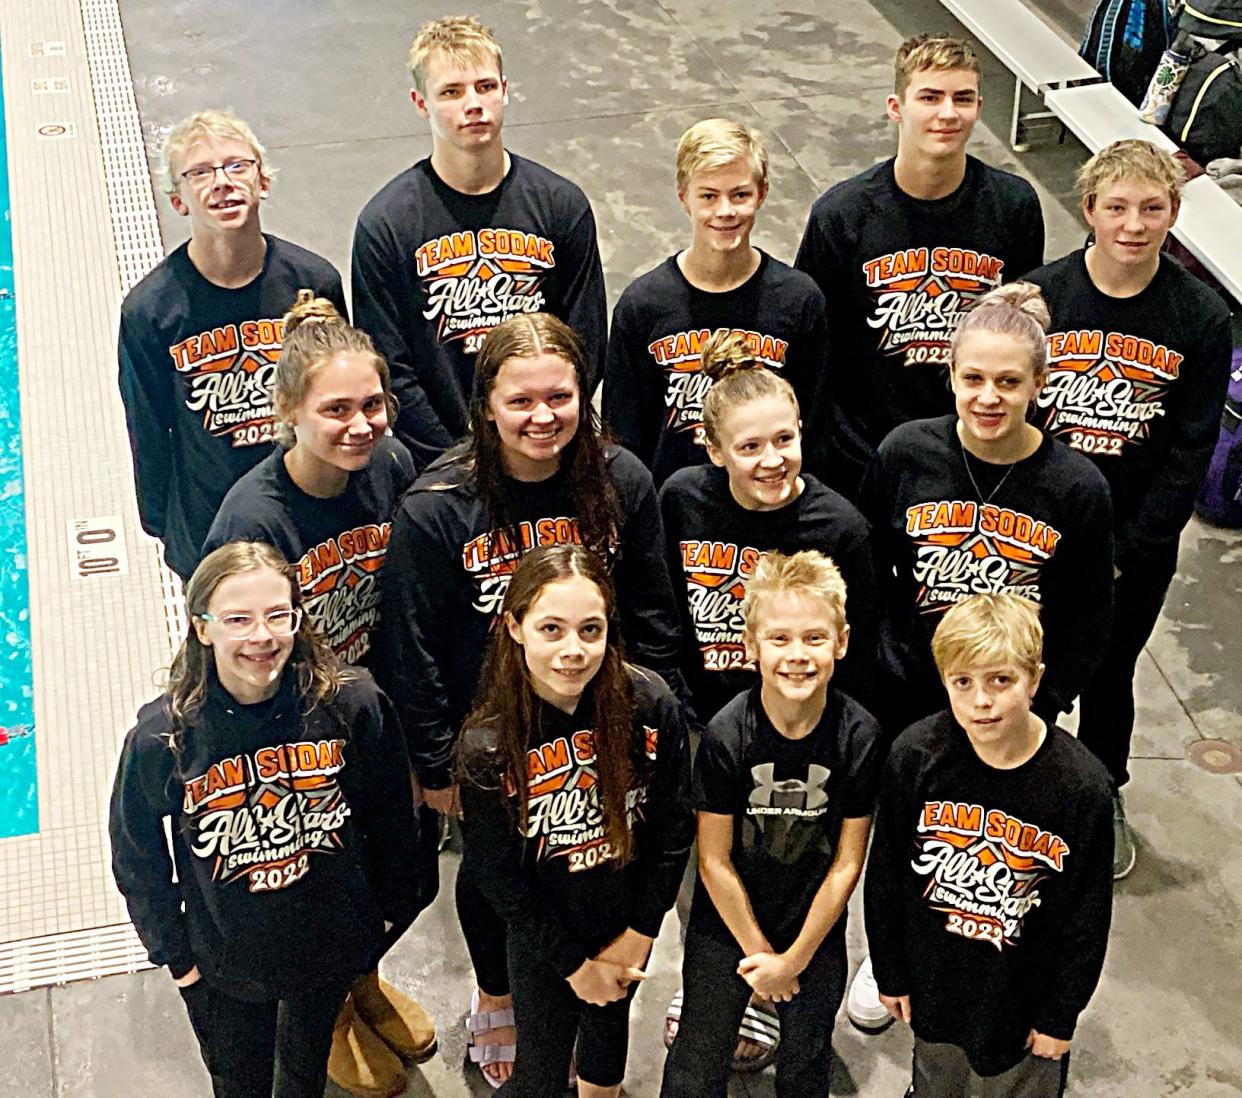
(596, 507)
(931, 52)
(314, 333)
(808, 573)
(1130, 159)
(738, 377)
(460, 38)
(1016, 309)
(715, 143)
(319, 674)
(989, 629)
(213, 123)
(507, 704)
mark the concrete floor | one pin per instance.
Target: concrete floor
(600, 90)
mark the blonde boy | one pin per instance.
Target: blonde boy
(784, 785)
(653, 387)
(988, 892)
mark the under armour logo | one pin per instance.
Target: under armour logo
(790, 793)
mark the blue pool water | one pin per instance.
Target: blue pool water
(19, 807)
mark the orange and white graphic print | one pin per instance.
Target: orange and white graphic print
(921, 294)
(491, 558)
(984, 868)
(716, 573)
(260, 817)
(1105, 389)
(964, 548)
(339, 579)
(229, 372)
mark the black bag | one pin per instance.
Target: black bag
(1212, 19)
(1206, 116)
(1124, 40)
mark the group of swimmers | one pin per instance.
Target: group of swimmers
(450, 590)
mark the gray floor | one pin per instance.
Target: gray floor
(600, 90)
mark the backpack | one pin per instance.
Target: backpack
(1205, 118)
(1123, 41)
(1212, 19)
(1220, 498)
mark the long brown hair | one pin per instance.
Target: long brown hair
(507, 702)
(596, 508)
(319, 673)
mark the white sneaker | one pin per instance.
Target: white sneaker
(863, 1003)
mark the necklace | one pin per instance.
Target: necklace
(975, 484)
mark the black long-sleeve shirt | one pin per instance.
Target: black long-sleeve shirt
(557, 885)
(447, 572)
(434, 270)
(988, 893)
(713, 546)
(197, 363)
(294, 837)
(653, 384)
(1044, 532)
(898, 273)
(1137, 384)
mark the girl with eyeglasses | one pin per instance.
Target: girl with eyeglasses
(283, 775)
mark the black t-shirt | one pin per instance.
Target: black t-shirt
(898, 273)
(1137, 384)
(337, 545)
(197, 363)
(653, 387)
(787, 799)
(434, 270)
(714, 544)
(989, 892)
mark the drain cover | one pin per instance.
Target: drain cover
(1216, 756)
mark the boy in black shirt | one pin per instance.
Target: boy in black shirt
(784, 784)
(902, 250)
(466, 238)
(1138, 365)
(200, 334)
(654, 385)
(988, 896)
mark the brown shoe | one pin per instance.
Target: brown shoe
(403, 1025)
(360, 1062)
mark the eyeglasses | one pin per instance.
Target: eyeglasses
(233, 169)
(280, 623)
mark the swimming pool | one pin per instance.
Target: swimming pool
(19, 806)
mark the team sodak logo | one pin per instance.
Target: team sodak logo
(474, 280)
(1105, 389)
(228, 374)
(259, 817)
(339, 579)
(716, 573)
(984, 868)
(965, 548)
(920, 295)
(491, 558)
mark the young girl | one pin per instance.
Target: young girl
(293, 835)
(784, 784)
(533, 472)
(575, 815)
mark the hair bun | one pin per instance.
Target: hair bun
(309, 309)
(1026, 297)
(725, 353)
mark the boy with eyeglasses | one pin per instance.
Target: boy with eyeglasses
(200, 334)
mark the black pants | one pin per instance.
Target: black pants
(551, 1020)
(714, 999)
(484, 932)
(276, 1049)
(1106, 705)
(942, 1071)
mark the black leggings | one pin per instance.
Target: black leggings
(484, 932)
(276, 1049)
(714, 999)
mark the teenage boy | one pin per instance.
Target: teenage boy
(200, 335)
(902, 250)
(653, 386)
(784, 785)
(465, 238)
(1139, 363)
(988, 892)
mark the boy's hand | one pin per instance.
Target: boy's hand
(772, 975)
(1050, 1048)
(898, 1006)
(629, 949)
(600, 983)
